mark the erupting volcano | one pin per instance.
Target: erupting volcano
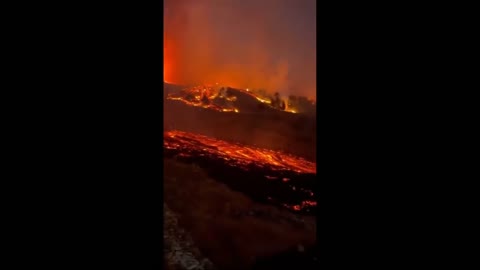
(264, 172)
(239, 130)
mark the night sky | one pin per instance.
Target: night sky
(267, 44)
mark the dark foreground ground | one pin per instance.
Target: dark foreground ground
(228, 229)
(263, 175)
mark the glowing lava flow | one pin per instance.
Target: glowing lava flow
(263, 174)
(241, 156)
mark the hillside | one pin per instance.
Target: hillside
(255, 124)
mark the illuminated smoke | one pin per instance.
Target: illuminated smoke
(268, 44)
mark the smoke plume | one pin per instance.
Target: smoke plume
(268, 44)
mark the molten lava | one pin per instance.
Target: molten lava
(238, 155)
(266, 175)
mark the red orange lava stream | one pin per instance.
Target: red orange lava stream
(294, 176)
(238, 154)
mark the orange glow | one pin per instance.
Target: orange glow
(167, 60)
(239, 155)
(188, 145)
(209, 97)
(199, 51)
(196, 96)
(304, 204)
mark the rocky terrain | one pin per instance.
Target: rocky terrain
(215, 216)
(226, 229)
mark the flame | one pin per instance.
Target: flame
(206, 96)
(167, 61)
(210, 97)
(242, 43)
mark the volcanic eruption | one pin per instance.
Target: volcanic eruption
(240, 124)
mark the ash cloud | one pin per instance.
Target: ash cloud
(269, 44)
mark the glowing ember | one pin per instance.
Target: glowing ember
(208, 97)
(242, 156)
(266, 175)
(218, 98)
(298, 207)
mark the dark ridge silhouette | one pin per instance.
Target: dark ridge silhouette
(256, 124)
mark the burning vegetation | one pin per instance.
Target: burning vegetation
(265, 175)
(207, 97)
(226, 99)
(235, 188)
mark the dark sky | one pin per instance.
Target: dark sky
(242, 43)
